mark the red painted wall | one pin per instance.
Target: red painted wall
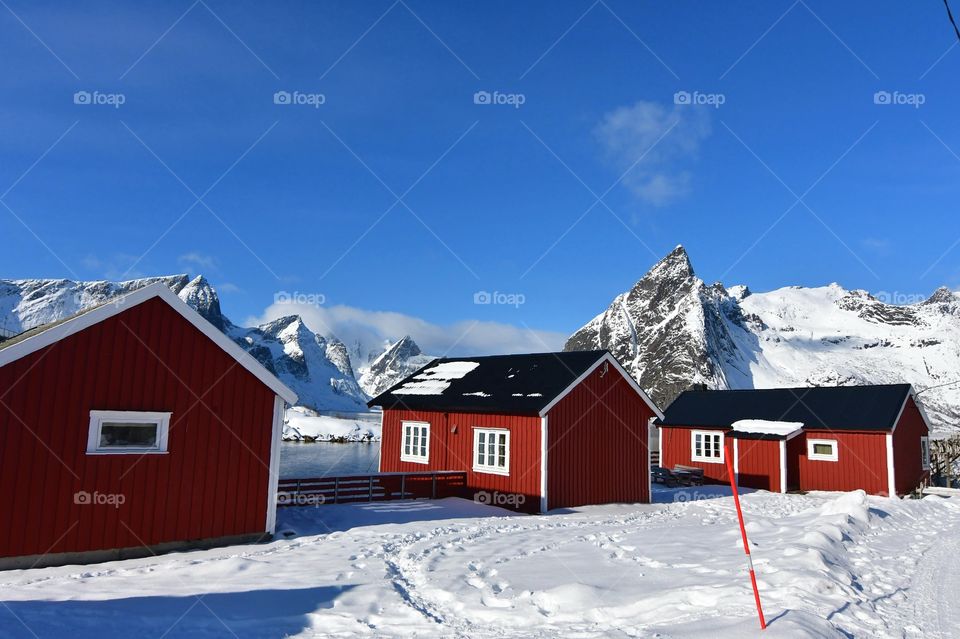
(454, 451)
(907, 458)
(759, 464)
(598, 450)
(675, 449)
(212, 483)
(862, 463)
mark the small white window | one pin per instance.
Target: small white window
(415, 446)
(706, 446)
(114, 432)
(925, 452)
(491, 451)
(822, 450)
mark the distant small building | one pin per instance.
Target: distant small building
(532, 432)
(874, 438)
(133, 428)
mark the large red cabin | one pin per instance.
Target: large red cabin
(874, 438)
(532, 432)
(133, 428)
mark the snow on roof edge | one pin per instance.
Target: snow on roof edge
(766, 427)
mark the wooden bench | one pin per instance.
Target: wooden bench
(688, 475)
(664, 476)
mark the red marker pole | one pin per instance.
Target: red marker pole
(743, 533)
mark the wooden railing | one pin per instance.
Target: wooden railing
(377, 487)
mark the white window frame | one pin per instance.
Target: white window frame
(702, 458)
(925, 452)
(415, 458)
(99, 417)
(482, 467)
(832, 457)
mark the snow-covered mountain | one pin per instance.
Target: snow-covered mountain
(318, 369)
(672, 332)
(398, 361)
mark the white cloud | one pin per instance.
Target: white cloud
(657, 143)
(197, 260)
(116, 267)
(371, 329)
(228, 287)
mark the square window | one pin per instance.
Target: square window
(706, 446)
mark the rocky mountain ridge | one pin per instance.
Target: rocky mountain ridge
(318, 369)
(672, 331)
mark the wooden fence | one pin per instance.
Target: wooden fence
(377, 487)
(944, 456)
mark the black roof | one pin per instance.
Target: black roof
(513, 384)
(829, 407)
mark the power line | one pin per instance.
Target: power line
(952, 21)
(956, 381)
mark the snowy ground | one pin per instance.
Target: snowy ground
(301, 424)
(828, 565)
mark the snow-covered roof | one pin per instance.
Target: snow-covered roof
(435, 379)
(527, 384)
(766, 427)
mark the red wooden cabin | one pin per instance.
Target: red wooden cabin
(133, 428)
(873, 438)
(532, 432)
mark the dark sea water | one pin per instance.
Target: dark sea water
(320, 459)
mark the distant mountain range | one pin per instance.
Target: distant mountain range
(671, 330)
(318, 369)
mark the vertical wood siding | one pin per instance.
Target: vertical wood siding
(676, 450)
(907, 459)
(212, 483)
(862, 463)
(597, 442)
(759, 464)
(451, 450)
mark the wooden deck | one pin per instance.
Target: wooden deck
(376, 487)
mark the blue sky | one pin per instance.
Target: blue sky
(400, 193)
